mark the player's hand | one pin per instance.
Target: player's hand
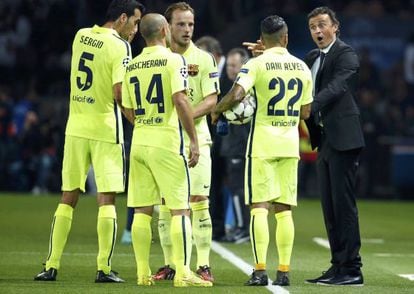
(256, 48)
(214, 117)
(194, 154)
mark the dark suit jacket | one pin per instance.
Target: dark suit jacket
(335, 89)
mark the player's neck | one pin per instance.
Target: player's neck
(175, 47)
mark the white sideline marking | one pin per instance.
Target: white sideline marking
(393, 255)
(65, 253)
(373, 241)
(325, 243)
(407, 276)
(242, 265)
(321, 241)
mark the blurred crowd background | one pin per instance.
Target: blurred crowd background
(35, 51)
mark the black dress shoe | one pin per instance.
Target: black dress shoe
(112, 277)
(258, 278)
(343, 280)
(46, 275)
(330, 273)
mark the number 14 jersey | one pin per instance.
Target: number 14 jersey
(150, 81)
(281, 83)
(99, 59)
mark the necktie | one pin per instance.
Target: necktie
(321, 60)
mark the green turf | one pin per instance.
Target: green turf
(25, 223)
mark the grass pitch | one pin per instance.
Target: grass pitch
(387, 230)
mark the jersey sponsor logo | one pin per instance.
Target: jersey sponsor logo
(193, 70)
(213, 75)
(184, 72)
(284, 123)
(83, 99)
(150, 121)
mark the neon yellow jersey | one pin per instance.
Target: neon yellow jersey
(282, 83)
(99, 58)
(203, 81)
(150, 81)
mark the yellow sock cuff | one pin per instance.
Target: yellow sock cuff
(256, 211)
(283, 214)
(283, 268)
(260, 267)
(107, 211)
(199, 205)
(163, 208)
(64, 210)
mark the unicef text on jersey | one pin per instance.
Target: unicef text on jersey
(149, 121)
(83, 99)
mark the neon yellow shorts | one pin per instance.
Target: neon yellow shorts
(200, 175)
(106, 158)
(271, 180)
(154, 172)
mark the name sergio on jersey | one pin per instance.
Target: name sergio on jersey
(147, 64)
(83, 99)
(91, 42)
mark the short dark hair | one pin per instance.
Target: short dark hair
(273, 28)
(244, 55)
(210, 44)
(325, 10)
(272, 24)
(177, 6)
(117, 7)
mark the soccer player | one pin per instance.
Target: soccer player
(283, 87)
(154, 91)
(94, 132)
(203, 91)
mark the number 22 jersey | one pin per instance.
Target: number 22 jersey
(281, 83)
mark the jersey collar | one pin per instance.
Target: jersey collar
(101, 30)
(152, 49)
(189, 49)
(277, 50)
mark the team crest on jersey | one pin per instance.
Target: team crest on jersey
(183, 72)
(125, 61)
(193, 70)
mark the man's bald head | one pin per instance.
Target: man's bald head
(151, 25)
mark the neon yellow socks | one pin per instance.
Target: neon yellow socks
(62, 222)
(181, 243)
(259, 232)
(285, 233)
(106, 228)
(164, 227)
(202, 231)
(141, 234)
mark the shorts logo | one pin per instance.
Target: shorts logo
(193, 70)
(201, 220)
(205, 186)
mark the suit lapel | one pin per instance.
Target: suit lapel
(326, 64)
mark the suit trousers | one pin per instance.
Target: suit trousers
(337, 172)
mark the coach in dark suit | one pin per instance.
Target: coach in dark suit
(335, 129)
